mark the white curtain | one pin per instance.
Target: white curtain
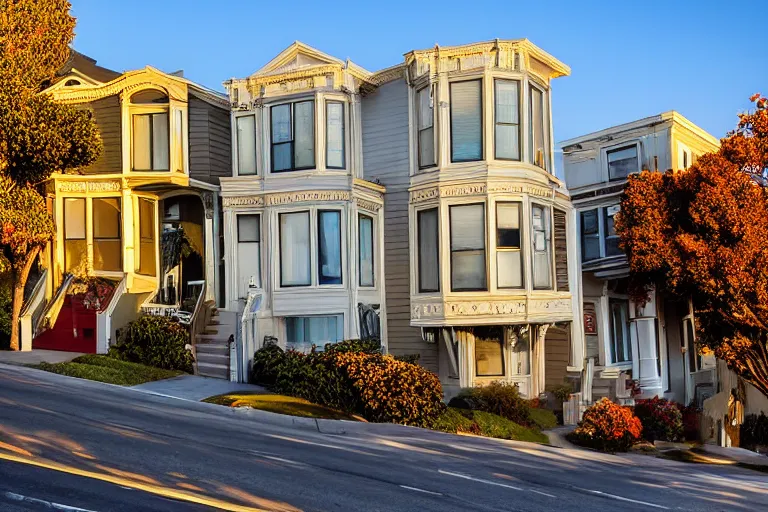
(304, 113)
(468, 247)
(294, 249)
(304, 331)
(160, 144)
(246, 145)
(542, 259)
(429, 268)
(334, 127)
(538, 152)
(365, 228)
(507, 119)
(426, 131)
(466, 121)
(329, 239)
(142, 157)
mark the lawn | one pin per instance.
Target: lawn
(464, 421)
(543, 418)
(280, 404)
(109, 370)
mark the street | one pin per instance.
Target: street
(69, 444)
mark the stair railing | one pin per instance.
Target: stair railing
(32, 310)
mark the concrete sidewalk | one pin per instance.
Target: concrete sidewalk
(195, 388)
(20, 358)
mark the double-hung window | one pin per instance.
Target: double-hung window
(426, 130)
(622, 162)
(365, 250)
(590, 235)
(509, 259)
(293, 136)
(329, 246)
(107, 242)
(429, 250)
(537, 134)
(468, 247)
(304, 331)
(334, 135)
(611, 238)
(507, 111)
(246, 145)
(150, 142)
(620, 348)
(248, 253)
(75, 243)
(295, 249)
(466, 121)
(542, 248)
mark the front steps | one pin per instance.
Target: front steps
(212, 347)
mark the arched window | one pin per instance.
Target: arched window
(149, 96)
(150, 131)
(70, 83)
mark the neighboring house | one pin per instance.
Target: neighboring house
(651, 343)
(166, 141)
(480, 241)
(303, 231)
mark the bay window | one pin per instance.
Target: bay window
(542, 248)
(466, 121)
(620, 348)
(248, 253)
(178, 136)
(107, 242)
(365, 250)
(537, 136)
(622, 162)
(507, 122)
(246, 145)
(294, 249)
(468, 247)
(75, 244)
(147, 236)
(426, 131)
(428, 250)
(509, 259)
(150, 142)
(590, 235)
(329, 246)
(301, 332)
(293, 136)
(611, 237)
(334, 135)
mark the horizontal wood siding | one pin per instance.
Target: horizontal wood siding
(209, 141)
(561, 251)
(106, 114)
(386, 157)
(557, 354)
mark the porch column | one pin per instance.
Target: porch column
(645, 354)
(466, 342)
(210, 247)
(538, 374)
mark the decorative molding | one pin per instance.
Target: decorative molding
(426, 194)
(388, 75)
(472, 189)
(483, 308)
(544, 306)
(521, 308)
(243, 201)
(89, 186)
(208, 204)
(303, 197)
(131, 81)
(368, 205)
(429, 310)
(419, 196)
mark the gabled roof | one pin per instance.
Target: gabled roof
(85, 67)
(301, 56)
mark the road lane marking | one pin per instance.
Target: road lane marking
(489, 482)
(622, 498)
(48, 504)
(421, 490)
(543, 493)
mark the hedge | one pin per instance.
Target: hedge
(154, 341)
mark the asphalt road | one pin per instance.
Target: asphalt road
(71, 445)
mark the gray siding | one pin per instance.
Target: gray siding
(385, 157)
(209, 141)
(557, 348)
(106, 114)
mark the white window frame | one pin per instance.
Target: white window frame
(549, 241)
(237, 215)
(341, 328)
(430, 88)
(545, 127)
(486, 246)
(236, 143)
(374, 247)
(171, 108)
(417, 256)
(344, 130)
(316, 124)
(481, 79)
(615, 147)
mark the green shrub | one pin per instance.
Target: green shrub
(502, 398)
(455, 421)
(561, 393)
(265, 364)
(106, 369)
(607, 426)
(543, 418)
(661, 419)
(154, 341)
(369, 346)
(754, 431)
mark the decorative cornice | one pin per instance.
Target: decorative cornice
(148, 77)
(88, 186)
(519, 308)
(388, 75)
(473, 189)
(287, 198)
(368, 205)
(243, 201)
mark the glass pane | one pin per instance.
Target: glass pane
(426, 147)
(149, 96)
(542, 258)
(507, 141)
(248, 228)
(281, 123)
(591, 247)
(508, 225)
(178, 142)
(429, 263)
(329, 251)
(507, 109)
(74, 218)
(281, 156)
(309, 330)
(589, 222)
(521, 355)
(294, 249)
(509, 266)
(335, 135)
(246, 145)
(160, 146)
(366, 250)
(612, 246)
(467, 227)
(108, 255)
(619, 321)
(622, 162)
(147, 250)
(305, 134)
(466, 121)
(489, 357)
(248, 267)
(74, 254)
(537, 150)
(468, 270)
(106, 218)
(425, 109)
(142, 157)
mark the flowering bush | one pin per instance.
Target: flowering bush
(661, 419)
(607, 426)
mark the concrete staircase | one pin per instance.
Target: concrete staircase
(212, 346)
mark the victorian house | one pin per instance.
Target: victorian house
(651, 344)
(140, 221)
(480, 249)
(303, 229)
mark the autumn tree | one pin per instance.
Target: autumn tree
(37, 135)
(702, 235)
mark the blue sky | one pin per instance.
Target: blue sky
(628, 59)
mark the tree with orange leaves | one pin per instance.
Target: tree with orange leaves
(702, 235)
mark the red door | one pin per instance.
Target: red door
(74, 330)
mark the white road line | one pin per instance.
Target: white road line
(543, 493)
(280, 459)
(622, 498)
(49, 504)
(489, 482)
(421, 490)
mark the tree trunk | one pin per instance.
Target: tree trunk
(19, 282)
